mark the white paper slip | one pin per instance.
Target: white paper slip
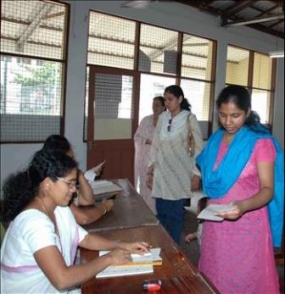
(220, 207)
(91, 174)
(209, 212)
(99, 166)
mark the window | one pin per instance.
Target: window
(237, 66)
(254, 71)
(197, 56)
(33, 44)
(199, 96)
(111, 41)
(150, 87)
(162, 57)
(158, 50)
(30, 88)
(197, 77)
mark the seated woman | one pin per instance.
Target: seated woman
(85, 197)
(38, 251)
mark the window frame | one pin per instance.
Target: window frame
(62, 61)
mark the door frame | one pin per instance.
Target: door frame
(93, 70)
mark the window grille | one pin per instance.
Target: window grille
(237, 66)
(254, 71)
(197, 57)
(158, 50)
(262, 92)
(33, 40)
(111, 41)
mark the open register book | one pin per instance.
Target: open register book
(141, 264)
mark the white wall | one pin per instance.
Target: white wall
(174, 16)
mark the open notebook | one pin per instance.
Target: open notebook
(142, 264)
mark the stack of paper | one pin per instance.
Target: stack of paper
(141, 264)
(104, 187)
(209, 212)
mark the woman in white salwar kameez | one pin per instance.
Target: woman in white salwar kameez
(143, 140)
(171, 164)
(39, 247)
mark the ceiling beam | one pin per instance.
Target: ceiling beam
(235, 8)
(276, 23)
(268, 10)
(44, 11)
(55, 15)
(268, 30)
(254, 20)
(170, 45)
(205, 6)
(20, 22)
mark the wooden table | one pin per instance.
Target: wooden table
(129, 211)
(178, 275)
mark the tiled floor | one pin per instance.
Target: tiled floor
(192, 250)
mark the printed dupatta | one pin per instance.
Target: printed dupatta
(216, 185)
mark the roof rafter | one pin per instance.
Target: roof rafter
(254, 20)
(235, 8)
(44, 11)
(234, 14)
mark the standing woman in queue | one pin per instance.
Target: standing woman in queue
(177, 141)
(38, 250)
(242, 166)
(143, 139)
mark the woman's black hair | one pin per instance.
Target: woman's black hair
(57, 142)
(240, 96)
(177, 92)
(21, 188)
(160, 99)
